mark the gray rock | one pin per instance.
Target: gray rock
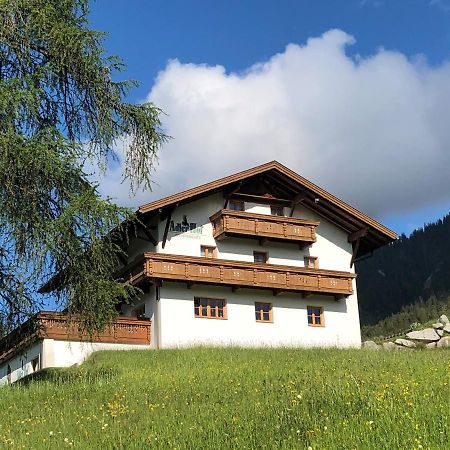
(444, 319)
(438, 325)
(371, 345)
(447, 327)
(440, 332)
(444, 342)
(426, 335)
(431, 345)
(389, 346)
(405, 343)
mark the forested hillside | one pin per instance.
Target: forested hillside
(411, 270)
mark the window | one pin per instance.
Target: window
(312, 262)
(263, 312)
(210, 308)
(208, 252)
(236, 205)
(277, 210)
(35, 364)
(260, 257)
(139, 311)
(315, 316)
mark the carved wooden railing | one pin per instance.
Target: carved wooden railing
(54, 325)
(158, 266)
(262, 226)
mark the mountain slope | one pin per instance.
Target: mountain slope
(404, 272)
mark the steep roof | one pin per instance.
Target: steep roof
(372, 233)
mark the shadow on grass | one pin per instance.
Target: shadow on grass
(70, 375)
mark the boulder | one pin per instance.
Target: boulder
(438, 325)
(431, 345)
(389, 346)
(444, 319)
(447, 327)
(440, 332)
(444, 342)
(426, 335)
(371, 345)
(405, 343)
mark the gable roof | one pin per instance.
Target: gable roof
(373, 234)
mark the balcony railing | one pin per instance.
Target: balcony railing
(262, 226)
(192, 270)
(53, 325)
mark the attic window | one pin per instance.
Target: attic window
(260, 257)
(236, 205)
(311, 262)
(277, 210)
(208, 252)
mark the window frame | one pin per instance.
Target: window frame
(260, 311)
(236, 202)
(313, 316)
(204, 248)
(208, 308)
(277, 208)
(314, 259)
(266, 257)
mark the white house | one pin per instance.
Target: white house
(260, 258)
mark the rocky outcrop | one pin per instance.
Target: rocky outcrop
(405, 343)
(430, 338)
(444, 319)
(444, 342)
(427, 335)
(371, 345)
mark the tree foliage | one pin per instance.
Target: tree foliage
(412, 269)
(60, 107)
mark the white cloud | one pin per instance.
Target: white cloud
(374, 131)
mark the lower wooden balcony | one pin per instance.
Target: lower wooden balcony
(263, 227)
(192, 270)
(54, 325)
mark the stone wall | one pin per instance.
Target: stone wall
(436, 336)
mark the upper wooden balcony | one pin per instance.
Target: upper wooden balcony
(192, 270)
(263, 227)
(54, 325)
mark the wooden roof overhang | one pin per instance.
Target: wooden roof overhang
(290, 189)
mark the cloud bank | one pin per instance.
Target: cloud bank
(374, 131)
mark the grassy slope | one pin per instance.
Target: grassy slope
(233, 398)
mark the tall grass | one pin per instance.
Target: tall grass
(234, 398)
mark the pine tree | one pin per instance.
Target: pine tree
(60, 107)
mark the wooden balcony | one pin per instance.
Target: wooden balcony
(237, 274)
(263, 227)
(53, 325)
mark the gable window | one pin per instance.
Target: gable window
(315, 316)
(260, 257)
(35, 364)
(139, 311)
(263, 312)
(277, 210)
(208, 252)
(236, 205)
(312, 262)
(210, 308)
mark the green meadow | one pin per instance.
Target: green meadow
(207, 398)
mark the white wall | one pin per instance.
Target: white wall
(21, 364)
(180, 327)
(68, 353)
(331, 247)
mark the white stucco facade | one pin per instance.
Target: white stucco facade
(54, 353)
(171, 306)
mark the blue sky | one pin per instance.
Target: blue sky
(238, 34)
